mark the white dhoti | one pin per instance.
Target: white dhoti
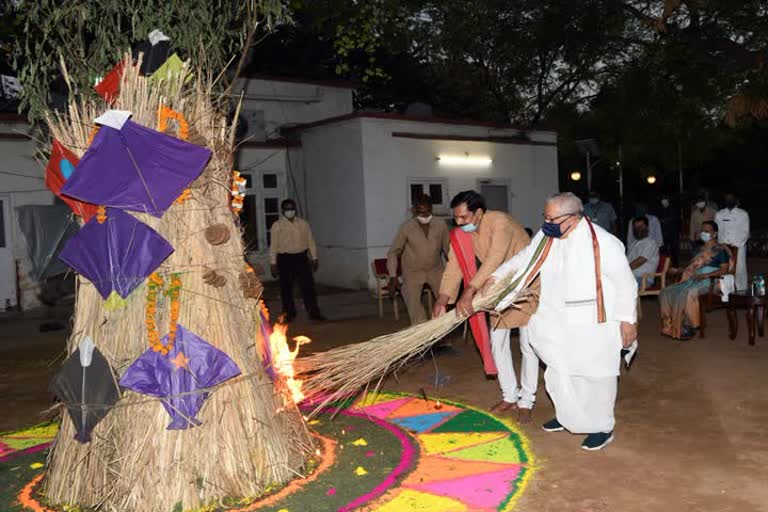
(582, 371)
(583, 405)
(523, 395)
(742, 277)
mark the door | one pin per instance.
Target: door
(7, 265)
(496, 195)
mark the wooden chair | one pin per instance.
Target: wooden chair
(381, 274)
(713, 298)
(659, 282)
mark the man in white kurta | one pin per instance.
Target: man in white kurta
(581, 354)
(733, 225)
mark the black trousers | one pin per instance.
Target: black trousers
(293, 268)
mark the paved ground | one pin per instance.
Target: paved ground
(691, 432)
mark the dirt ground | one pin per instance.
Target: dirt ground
(691, 417)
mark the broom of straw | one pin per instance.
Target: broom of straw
(341, 372)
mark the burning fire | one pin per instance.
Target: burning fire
(283, 357)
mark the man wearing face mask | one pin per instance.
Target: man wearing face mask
(587, 312)
(293, 257)
(419, 246)
(654, 226)
(490, 237)
(734, 230)
(700, 213)
(601, 212)
(643, 254)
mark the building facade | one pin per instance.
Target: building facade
(353, 175)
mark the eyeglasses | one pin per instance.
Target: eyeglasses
(553, 219)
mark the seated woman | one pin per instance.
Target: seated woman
(680, 315)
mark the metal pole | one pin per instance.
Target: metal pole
(589, 174)
(621, 179)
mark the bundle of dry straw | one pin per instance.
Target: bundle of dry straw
(248, 440)
(344, 371)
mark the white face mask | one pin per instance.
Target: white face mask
(424, 220)
(700, 205)
(665, 203)
(705, 237)
(289, 214)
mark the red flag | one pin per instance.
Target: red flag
(54, 179)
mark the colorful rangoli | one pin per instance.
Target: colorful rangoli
(386, 452)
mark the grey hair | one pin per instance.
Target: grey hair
(567, 202)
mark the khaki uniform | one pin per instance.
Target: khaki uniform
(698, 217)
(421, 262)
(497, 239)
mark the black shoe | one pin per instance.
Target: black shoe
(597, 441)
(552, 426)
(318, 317)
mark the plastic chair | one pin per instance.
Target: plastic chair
(381, 274)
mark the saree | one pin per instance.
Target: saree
(680, 302)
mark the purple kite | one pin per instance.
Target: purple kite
(192, 364)
(116, 255)
(135, 168)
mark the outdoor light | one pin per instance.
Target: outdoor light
(651, 179)
(575, 175)
(465, 160)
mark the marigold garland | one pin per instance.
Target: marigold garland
(93, 133)
(101, 214)
(185, 194)
(155, 285)
(237, 189)
(165, 113)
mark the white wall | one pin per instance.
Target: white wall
(531, 172)
(290, 103)
(18, 158)
(336, 202)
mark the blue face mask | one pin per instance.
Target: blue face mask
(554, 229)
(468, 228)
(551, 229)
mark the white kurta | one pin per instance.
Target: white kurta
(582, 356)
(654, 231)
(734, 230)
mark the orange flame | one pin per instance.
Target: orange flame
(283, 358)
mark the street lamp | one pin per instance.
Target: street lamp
(651, 179)
(575, 176)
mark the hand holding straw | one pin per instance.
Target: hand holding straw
(343, 371)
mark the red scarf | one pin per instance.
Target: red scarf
(461, 243)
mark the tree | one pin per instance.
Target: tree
(724, 43)
(92, 36)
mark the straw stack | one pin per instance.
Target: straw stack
(248, 439)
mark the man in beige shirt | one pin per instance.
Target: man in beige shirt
(293, 257)
(496, 237)
(418, 247)
(700, 213)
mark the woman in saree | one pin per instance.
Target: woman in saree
(680, 316)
